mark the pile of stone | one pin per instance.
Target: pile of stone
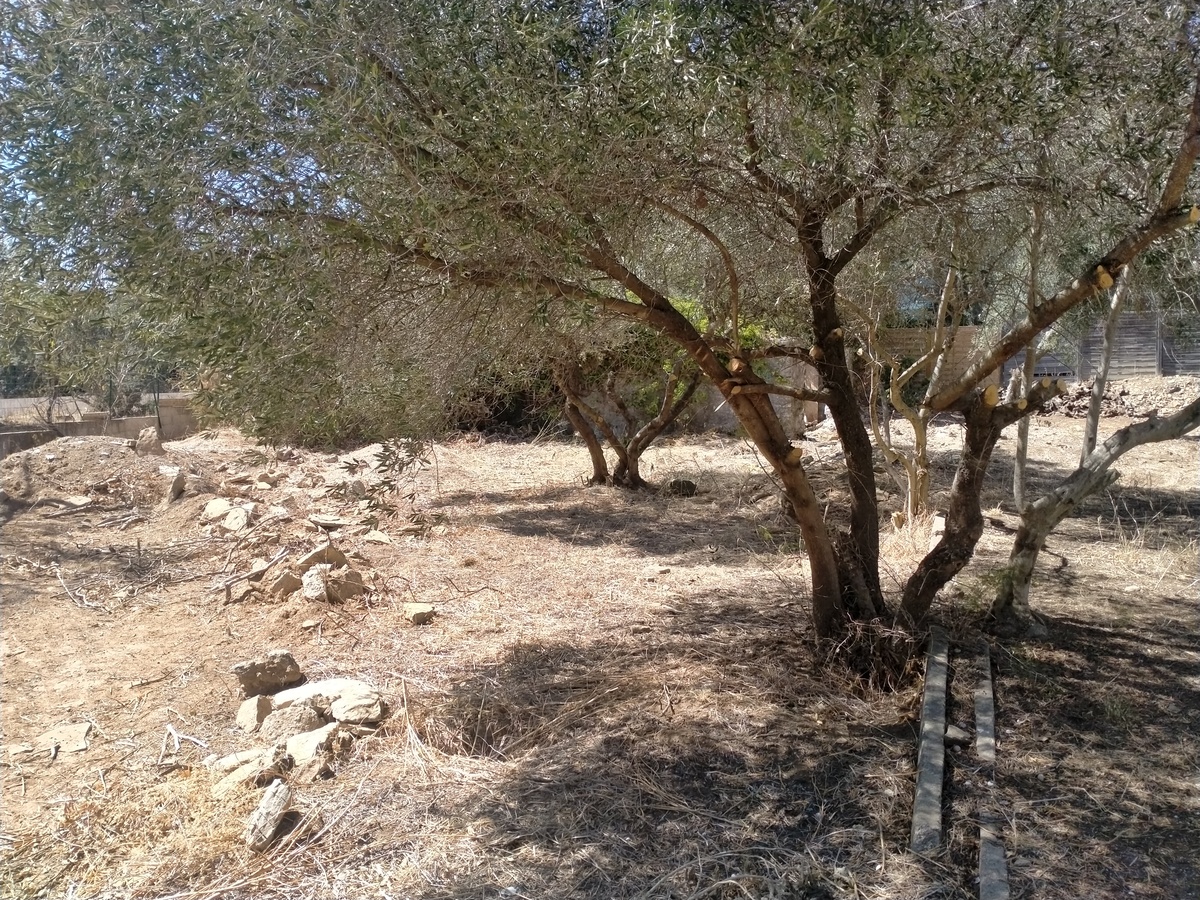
(298, 729)
(321, 575)
(1132, 398)
(226, 517)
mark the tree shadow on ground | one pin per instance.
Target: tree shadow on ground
(34, 545)
(741, 514)
(736, 515)
(1126, 508)
(1102, 726)
(708, 757)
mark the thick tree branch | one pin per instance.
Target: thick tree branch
(770, 184)
(782, 390)
(1121, 442)
(1166, 218)
(392, 77)
(463, 273)
(894, 204)
(1042, 516)
(964, 515)
(673, 403)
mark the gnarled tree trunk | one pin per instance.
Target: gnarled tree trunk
(567, 378)
(590, 423)
(829, 609)
(985, 420)
(677, 394)
(838, 382)
(756, 414)
(595, 450)
(1040, 518)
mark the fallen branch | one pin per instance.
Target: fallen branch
(122, 521)
(241, 538)
(71, 510)
(228, 583)
(177, 736)
(81, 601)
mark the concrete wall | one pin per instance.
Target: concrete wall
(17, 438)
(175, 420)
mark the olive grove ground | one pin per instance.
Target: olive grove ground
(617, 698)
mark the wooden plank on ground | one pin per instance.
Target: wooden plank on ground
(993, 869)
(931, 757)
(985, 712)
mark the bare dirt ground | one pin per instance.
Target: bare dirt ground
(618, 695)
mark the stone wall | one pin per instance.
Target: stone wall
(175, 420)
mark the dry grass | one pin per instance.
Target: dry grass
(618, 699)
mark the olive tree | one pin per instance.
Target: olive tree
(503, 157)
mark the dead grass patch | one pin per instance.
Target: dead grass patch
(617, 699)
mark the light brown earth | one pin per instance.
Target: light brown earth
(618, 696)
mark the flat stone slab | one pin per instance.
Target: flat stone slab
(235, 520)
(67, 738)
(985, 712)
(251, 713)
(357, 706)
(216, 508)
(310, 745)
(993, 867)
(320, 694)
(327, 554)
(329, 523)
(285, 583)
(266, 766)
(234, 760)
(294, 719)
